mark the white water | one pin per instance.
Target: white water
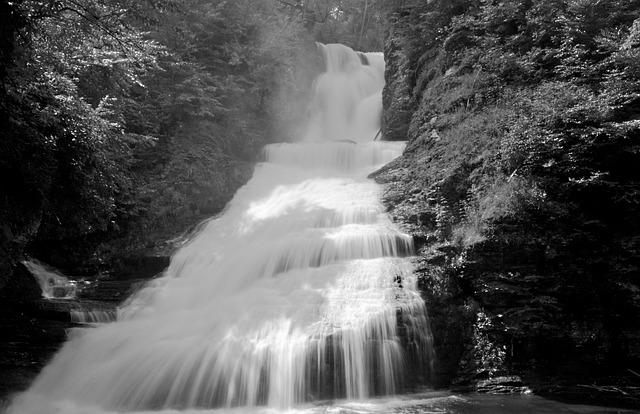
(54, 285)
(298, 292)
(92, 316)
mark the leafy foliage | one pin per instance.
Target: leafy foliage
(355, 23)
(129, 121)
(523, 133)
(64, 151)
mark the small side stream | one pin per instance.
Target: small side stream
(42, 305)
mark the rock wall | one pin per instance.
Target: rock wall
(519, 189)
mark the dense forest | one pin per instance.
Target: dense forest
(521, 185)
(126, 122)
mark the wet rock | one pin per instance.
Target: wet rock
(110, 290)
(141, 267)
(502, 385)
(396, 94)
(21, 287)
(32, 328)
(29, 336)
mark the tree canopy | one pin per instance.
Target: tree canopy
(129, 117)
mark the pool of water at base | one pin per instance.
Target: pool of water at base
(442, 403)
(432, 402)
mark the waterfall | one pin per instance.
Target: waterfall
(301, 290)
(54, 285)
(92, 316)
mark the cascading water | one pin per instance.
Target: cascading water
(92, 316)
(59, 289)
(54, 285)
(297, 292)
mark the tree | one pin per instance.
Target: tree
(127, 118)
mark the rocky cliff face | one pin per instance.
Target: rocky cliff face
(520, 186)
